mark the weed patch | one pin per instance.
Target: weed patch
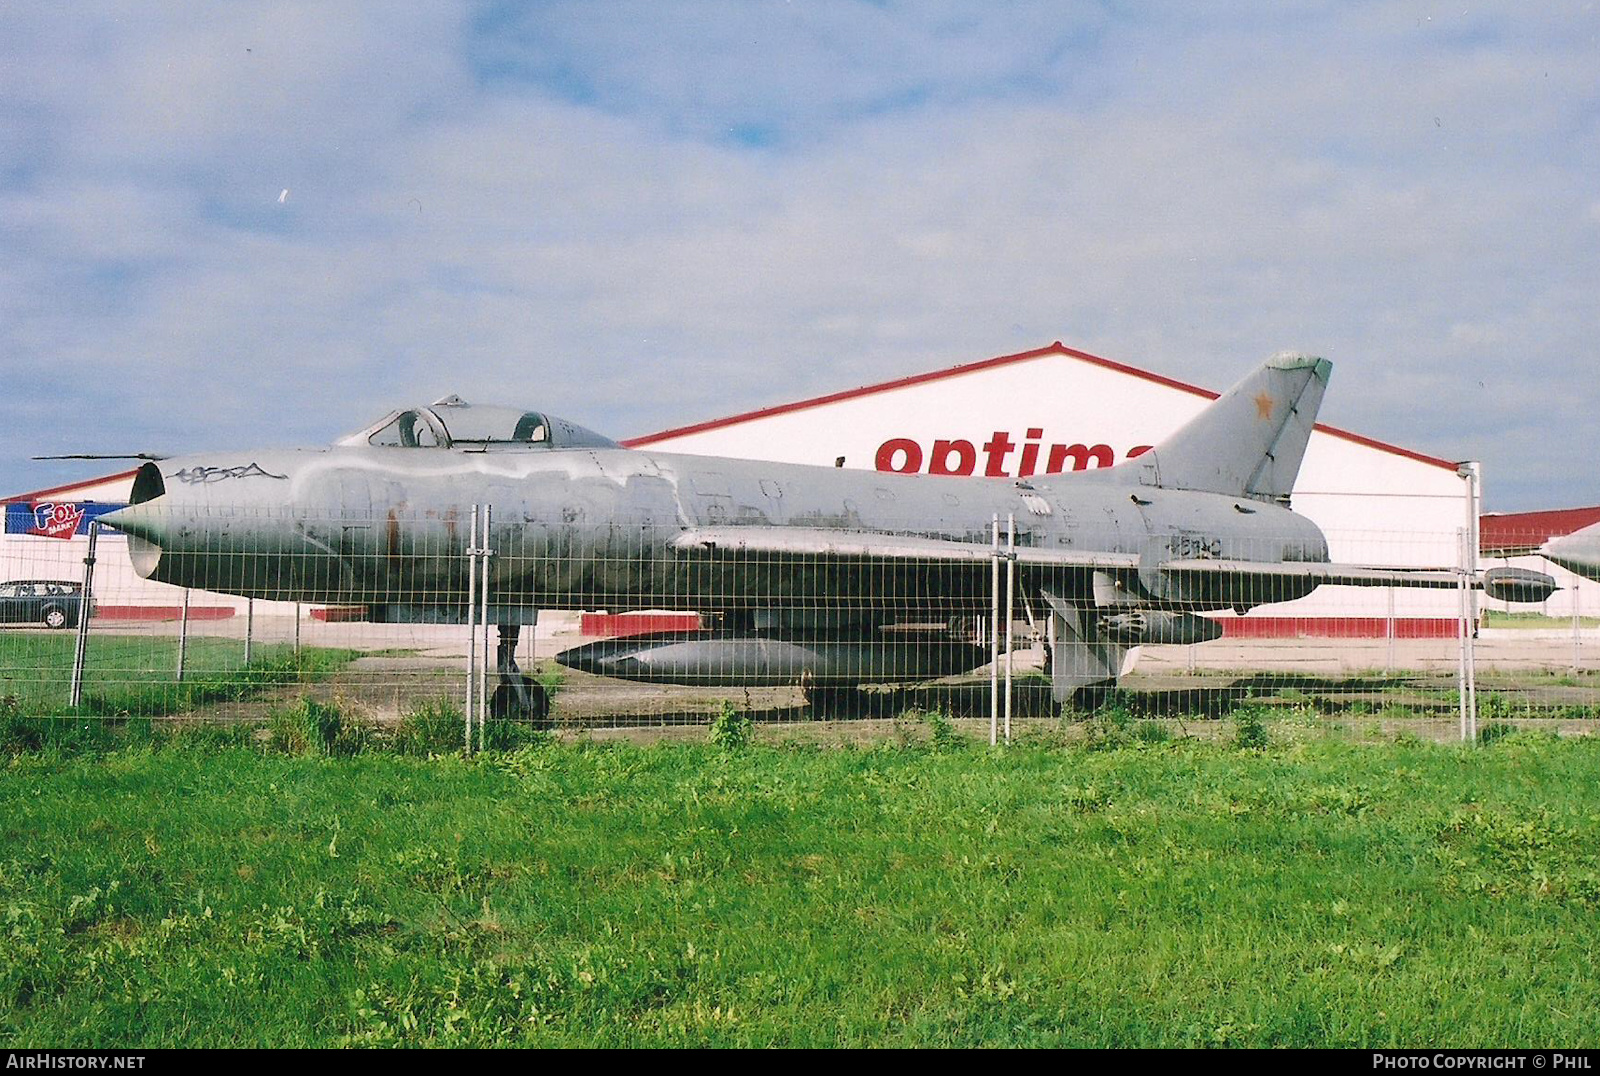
(730, 729)
(310, 727)
(1249, 730)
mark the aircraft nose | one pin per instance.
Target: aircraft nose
(146, 527)
(138, 520)
(185, 514)
(141, 519)
(1577, 552)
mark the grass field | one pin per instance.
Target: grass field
(136, 674)
(928, 892)
(1495, 618)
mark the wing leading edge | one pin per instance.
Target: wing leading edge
(863, 545)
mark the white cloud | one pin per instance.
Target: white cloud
(549, 207)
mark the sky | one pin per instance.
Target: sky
(266, 224)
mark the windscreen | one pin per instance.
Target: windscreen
(495, 425)
(410, 429)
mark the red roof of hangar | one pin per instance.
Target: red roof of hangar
(1511, 533)
(1057, 348)
(56, 491)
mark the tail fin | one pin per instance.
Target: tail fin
(1249, 443)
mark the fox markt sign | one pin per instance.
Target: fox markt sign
(54, 519)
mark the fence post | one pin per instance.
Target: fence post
(483, 594)
(183, 635)
(1389, 632)
(249, 627)
(1466, 666)
(1474, 476)
(467, 709)
(994, 632)
(1011, 591)
(80, 647)
(1577, 630)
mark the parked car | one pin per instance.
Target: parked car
(55, 603)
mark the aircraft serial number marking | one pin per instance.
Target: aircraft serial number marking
(1194, 545)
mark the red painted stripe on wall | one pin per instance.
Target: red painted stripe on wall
(1355, 627)
(339, 614)
(162, 612)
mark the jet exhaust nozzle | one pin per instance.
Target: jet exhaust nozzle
(1148, 627)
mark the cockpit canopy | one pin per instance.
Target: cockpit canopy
(454, 423)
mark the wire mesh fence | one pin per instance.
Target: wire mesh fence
(613, 620)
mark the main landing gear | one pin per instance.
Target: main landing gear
(518, 697)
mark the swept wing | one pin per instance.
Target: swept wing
(1186, 576)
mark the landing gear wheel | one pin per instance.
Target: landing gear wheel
(525, 700)
(539, 703)
(518, 697)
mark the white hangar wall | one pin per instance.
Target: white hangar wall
(1377, 503)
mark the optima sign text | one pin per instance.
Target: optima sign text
(957, 456)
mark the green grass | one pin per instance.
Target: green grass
(1128, 892)
(1495, 618)
(136, 674)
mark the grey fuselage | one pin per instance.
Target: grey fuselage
(590, 527)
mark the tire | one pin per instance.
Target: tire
(530, 705)
(55, 617)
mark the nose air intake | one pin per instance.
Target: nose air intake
(143, 526)
(147, 484)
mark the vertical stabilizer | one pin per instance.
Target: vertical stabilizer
(1250, 441)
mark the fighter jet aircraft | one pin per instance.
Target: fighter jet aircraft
(820, 576)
